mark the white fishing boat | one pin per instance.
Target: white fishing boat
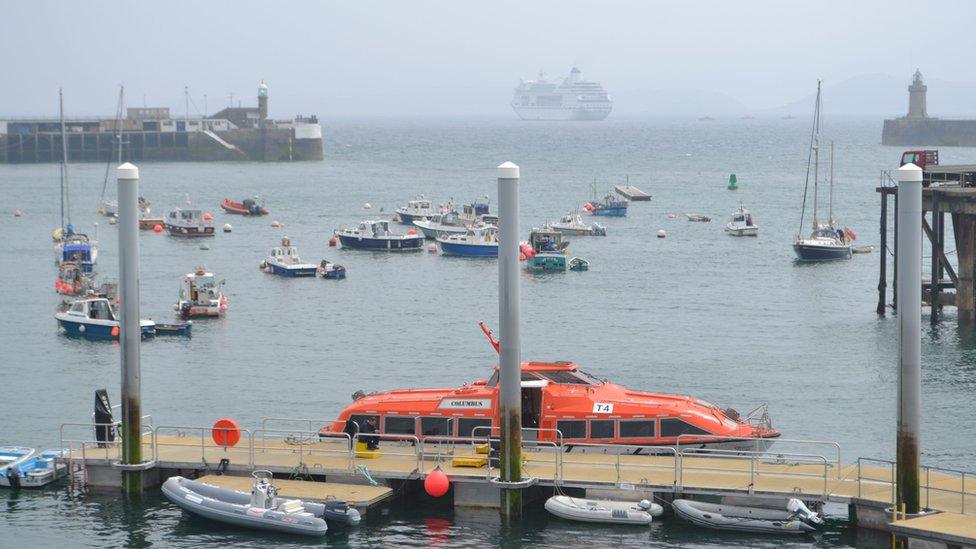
(188, 222)
(284, 261)
(572, 224)
(608, 512)
(201, 296)
(416, 210)
(796, 518)
(741, 224)
(479, 241)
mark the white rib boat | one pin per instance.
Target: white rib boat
(608, 512)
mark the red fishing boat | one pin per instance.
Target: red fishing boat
(249, 206)
(564, 405)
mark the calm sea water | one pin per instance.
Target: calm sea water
(733, 321)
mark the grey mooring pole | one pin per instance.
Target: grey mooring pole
(909, 289)
(510, 354)
(130, 333)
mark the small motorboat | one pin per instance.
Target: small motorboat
(453, 222)
(741, 224)
(95, 317)
(698, 218)
(284, 261)
(248, 206)
(480, 241)
(184, 328)
(189, 223)
(330, 270)
(200, 296)
(545, 250)
(610, 206)
(579, 264)
(794, 519)
(261, 509)
(79, 249)
(376, 235)
(22, 467)
(610, 512)
(415, 210)
(572, 224)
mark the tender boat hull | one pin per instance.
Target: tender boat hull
(813, 252)
(741, 519)
(233, 507)
(389, 244)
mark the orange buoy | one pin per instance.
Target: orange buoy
(226, 432)
(412, 232)
(436, 484)
(157, 228)
(207, 216)
(332, 242)
(115, 331)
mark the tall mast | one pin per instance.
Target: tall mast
(186, 109)
(64, 162)
(816, 157)
(830, 195)
(118, 121)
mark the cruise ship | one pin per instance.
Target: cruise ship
(572, 99)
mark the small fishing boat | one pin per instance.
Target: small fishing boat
(453, 222)
(572, 224)
(415, 210)
(77, 248)
(579, 264)
(610, 206)
(261, 509)
(330, 270)
(22, 467)
(609, 512)
(95, 317)
(200, 296)
(795, 519)
(184, 328)
(741, 224)
(480, 241)
(545, 251)
(189, 223)
(249, 206)
(284, 261)
(376, 235)
(698, 218)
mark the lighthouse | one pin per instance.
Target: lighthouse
(263, 102)
(916, 98)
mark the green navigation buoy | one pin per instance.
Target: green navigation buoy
(204, 247)
(733, 182)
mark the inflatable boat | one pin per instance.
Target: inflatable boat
(609, 512)
(792, 520)
(261, 509)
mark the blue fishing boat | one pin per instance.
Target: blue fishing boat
(545, 251)
(331, 271)
(611, 206)
(96, 318)
(79, 249)
(22, 467)
(475, 242)
(376, 235)
(284, 261)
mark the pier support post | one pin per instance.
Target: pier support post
(936, 275)
(510, 353)
(909, 287)
(964, 228)
(883, 272)
(130, 333)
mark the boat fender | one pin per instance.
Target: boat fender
(13, 477)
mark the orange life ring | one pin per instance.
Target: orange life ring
(226, 432)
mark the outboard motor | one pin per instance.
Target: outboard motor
(263, 493)
(104, 423)
(802, 512)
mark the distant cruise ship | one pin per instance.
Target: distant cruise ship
(573, 99)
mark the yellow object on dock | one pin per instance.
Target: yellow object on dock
(363, 451)
(358, 495)
(469, 461)
(481, 449)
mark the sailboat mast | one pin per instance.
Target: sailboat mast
(64, 160)
(816, 158)
(830, 196)
(118, 121)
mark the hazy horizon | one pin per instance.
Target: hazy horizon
(438, 58)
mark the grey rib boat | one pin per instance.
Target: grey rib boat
(792, 520)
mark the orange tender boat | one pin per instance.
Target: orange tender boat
(249, 206)
(564, 405)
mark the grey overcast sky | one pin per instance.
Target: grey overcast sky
(454, 57)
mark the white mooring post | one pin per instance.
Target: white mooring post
(909, 291)
(510, 353)
(130, 333)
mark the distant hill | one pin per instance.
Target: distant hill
(887, 95)
(675, 102)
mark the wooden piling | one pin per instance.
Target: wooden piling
(883, 271)
(964, 226)
(936, 242)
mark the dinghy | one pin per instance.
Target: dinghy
(22, 467)
(261, 509)
(792, 520)
(609, 512)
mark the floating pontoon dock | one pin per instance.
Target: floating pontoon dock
(631, 192)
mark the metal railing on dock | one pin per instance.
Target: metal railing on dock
(935, 482)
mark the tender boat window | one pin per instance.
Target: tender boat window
(601, 428)
(572, 428)
(435, 426)
(466, 427)
(398, 425)
(672, 427)
(639, 428)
